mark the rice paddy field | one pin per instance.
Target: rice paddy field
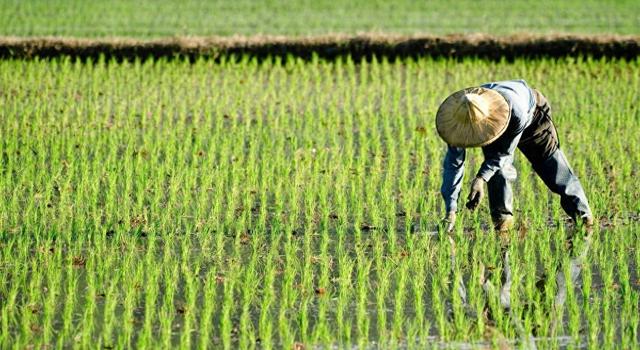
(295, 205)
(164, 18)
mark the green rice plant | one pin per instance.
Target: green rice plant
(167, 19)
(290, 203)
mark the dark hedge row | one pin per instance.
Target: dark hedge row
(328, 47)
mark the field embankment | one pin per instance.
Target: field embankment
(328, 47)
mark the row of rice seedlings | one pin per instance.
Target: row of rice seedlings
(168, 204)
(163, 19)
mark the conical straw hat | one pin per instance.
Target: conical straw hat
(473, 117)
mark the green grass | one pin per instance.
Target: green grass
(152, 18)
(167, 204)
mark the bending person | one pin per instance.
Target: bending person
(499, 117)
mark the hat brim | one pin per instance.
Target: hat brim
(456, 129)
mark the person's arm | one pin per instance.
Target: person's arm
(500, 152)
(452, 174)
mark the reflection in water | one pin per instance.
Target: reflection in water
(578, 253)
(578, 256)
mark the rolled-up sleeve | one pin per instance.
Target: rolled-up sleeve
(452, 174)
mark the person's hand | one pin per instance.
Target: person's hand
(449, 221)
(476, 194)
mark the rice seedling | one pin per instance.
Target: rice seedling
(293, 204)
(165, 18)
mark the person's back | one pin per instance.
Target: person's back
(519, 95)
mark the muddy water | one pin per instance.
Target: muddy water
(375, 337)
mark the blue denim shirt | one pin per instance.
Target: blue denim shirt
(500, 152)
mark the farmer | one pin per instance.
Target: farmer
(499, 117)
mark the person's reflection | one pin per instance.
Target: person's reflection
(578, 248)
(579, 244)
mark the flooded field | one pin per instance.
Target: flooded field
(290, 204)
